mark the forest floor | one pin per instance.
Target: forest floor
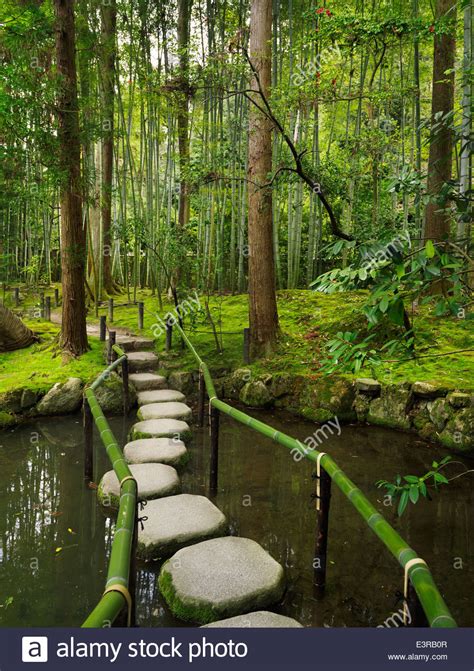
(308, 320)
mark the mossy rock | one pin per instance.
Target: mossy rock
(232, 384)
(182, 381)
(10, 401)
(422, 421)
(256, 394)
(392, 408)
(7, 420)
(361, 406)
(282, 384)
(110, 395)
(440, 412)
(459, 431)
(319, 415)
(328, 397)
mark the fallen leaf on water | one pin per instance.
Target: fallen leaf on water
(92, 485)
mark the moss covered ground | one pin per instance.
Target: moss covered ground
(307, 319)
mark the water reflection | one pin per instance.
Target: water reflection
(55, 540)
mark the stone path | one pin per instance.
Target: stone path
(209, 575)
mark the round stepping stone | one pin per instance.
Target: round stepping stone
(220, 578)
(147, 381)
(261, 618)
(160, 428)
(159, 396)
(178, 521)
(142, 361)
(132, 343)
(156, 450)
(153, 481)
(172, 410)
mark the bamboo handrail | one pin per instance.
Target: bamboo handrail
(433, 604)
(112, 602)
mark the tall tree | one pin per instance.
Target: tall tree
(184, 17)
(263, 314)
(73, 239)
(107, 78)
(442, 140)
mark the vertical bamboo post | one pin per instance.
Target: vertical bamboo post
(169, 336)
(214, 460)
(42, 304)
(102, 327)
(111, 310)
(87, 423)
(132, 577)
(246, 355)
(201, 399)
(47, 308)
(322, 516)
(141, 312)
(56, 297)
(126, 390)
(16, 294)
(110, 352)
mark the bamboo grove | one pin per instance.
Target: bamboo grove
(369, 114)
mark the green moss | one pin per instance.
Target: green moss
(188, 612)
(6, 420)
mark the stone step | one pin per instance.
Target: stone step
(220, 578)
(153, 481)
(134, 343)
(156, 450)
(160, 428)
(139, 362)
(260, 618)
(147, 381)
(170, 410)
(178, 521)
(159, 396)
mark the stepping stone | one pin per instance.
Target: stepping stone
(160, 428)
(142, 361)
(134, 343)
(178, 521)
(261, 618)
(220, 578)
(156, 450)
(159, 396)
(172, 410)
(153, 481)
(147, 381)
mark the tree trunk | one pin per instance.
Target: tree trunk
(441, 144)
(107, 75)
(73, 239)
(13, 333)
(263, 314)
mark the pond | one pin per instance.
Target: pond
(55, 539)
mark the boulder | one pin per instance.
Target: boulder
(282, 384)
(428, 390)
(392, 408)
(234, 383)
(327, 397)
(256, 394)
(440, 412)
(258, 619)
(182, 381)
(62, 398)
(110, 395)
(220, 578)
(459, 431)
(29, 398)
(367, 385)
(10, 401)
(459, 400)
(361, 406)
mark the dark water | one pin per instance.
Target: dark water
(266, 496)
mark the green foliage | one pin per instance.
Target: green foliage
(409, 488)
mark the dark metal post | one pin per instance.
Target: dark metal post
(141, 311)
(201, 399)
(47, 308)
(126, 390)
(102, 327)
(322, 516)
(56, 297)
(111, 310)
(42, 304)
(16, 293)
(169, 336)
(214, 460)
(246, 345)
(416, 616)
(87, 422)
(110, 352)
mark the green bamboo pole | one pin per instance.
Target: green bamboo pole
(433, 604)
